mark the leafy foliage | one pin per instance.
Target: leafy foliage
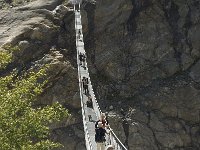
(4, 58)
(22, 126)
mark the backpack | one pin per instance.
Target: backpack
(89, 104)
(87, 81)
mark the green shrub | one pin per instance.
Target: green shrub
(23, 127)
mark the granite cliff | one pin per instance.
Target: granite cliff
(143, 57)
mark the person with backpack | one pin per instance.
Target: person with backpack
(89, 102)
(100, 139)
(81, 58)
(85, 85)
(79, 34)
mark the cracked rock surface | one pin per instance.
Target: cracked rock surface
(145, 65)
(143, 59)
(44, 34)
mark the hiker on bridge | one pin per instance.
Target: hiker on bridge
(100, 136)
(82, 59)
(79, 34)
(85, 85)
(89, 102)
(104, 121)
(90, 105)
(81, 55)
(79, 31)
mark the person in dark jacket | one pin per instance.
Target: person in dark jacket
(85, 85)
(81, 56)
(100, 136)
(89, 102)
(79, 34)
(84, 60)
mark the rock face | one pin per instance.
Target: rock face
(46, 36)
(145, 56)
(144, 61)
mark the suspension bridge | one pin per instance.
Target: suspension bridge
(83, 72)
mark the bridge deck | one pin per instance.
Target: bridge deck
(83, 72)
(89, 125)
